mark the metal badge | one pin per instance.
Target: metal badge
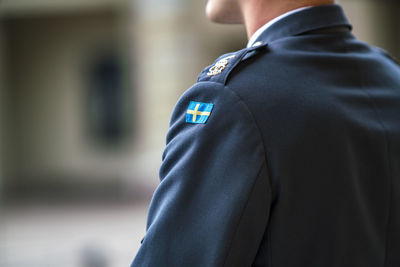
(219, 66)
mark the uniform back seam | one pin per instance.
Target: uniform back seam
(389, 164)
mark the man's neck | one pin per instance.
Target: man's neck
(256, 13)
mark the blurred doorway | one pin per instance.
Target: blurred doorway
(67, 102)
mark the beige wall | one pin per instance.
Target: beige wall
(47, 57)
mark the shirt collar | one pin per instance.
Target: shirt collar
(303, 21)
(255, 35)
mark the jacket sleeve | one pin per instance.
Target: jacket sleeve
(212, 205)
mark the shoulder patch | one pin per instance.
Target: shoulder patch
(198, 112)
(223, 66)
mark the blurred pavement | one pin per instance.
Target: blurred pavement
(71, 236)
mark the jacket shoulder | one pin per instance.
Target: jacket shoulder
(223, 66)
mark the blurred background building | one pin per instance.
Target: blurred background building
(86, 91)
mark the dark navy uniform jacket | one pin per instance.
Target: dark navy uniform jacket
(285, 154)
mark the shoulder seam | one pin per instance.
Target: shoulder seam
(266, 162)
(266, 158)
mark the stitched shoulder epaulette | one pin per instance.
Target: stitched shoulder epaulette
(223, 66)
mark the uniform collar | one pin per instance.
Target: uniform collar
(302, 21)
(255, 36)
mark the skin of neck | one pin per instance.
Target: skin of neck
(256, 13)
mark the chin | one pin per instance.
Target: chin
(219, 12)
(212, 11)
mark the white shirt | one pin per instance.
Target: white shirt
(269, 23)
